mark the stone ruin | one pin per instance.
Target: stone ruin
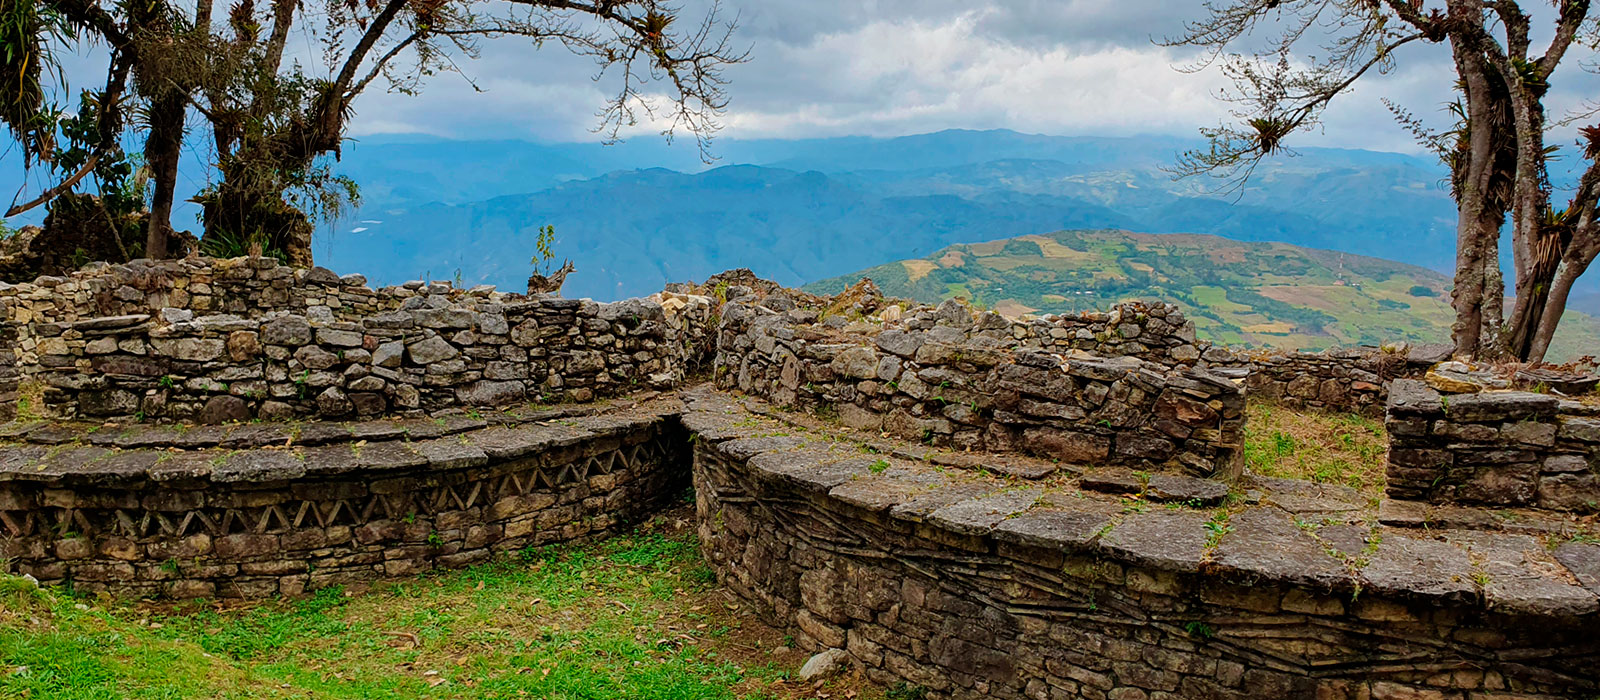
(976, 505)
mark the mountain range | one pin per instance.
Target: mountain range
(802, 210)
(636, 215)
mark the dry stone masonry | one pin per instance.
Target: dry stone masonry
(1497, 447)
(974, 586)
(251, 510)
(946, 378)
(1348, 380)
(978, 506)
(218, 340)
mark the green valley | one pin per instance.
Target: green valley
(1238, 292)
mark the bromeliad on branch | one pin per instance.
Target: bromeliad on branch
(1317, 50)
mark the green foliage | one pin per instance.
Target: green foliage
(28, 31)
(544, 251)
(1421, 291)
(1216, 527)
(906, 691)
(122, 190)
(1021, 247)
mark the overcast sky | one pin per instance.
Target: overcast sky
(891, 67)
(895, 67)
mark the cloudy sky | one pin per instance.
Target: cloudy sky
(890, 67)
(894, 67)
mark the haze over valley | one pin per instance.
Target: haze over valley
(802, 210)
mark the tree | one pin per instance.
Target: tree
(275, 122)
(32, 32)
(1496, 150)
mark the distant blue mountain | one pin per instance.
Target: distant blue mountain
(636, 215)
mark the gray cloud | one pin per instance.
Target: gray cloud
(886, 67)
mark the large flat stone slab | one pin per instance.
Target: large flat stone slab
(1266, 542)
(1170, 540)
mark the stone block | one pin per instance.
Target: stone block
(429, 350)
(245, 545)
(291, 331)
(1072, 447)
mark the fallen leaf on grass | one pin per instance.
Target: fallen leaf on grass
(416, 642)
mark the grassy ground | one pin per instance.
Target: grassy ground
(1342, 449)
(634, 617)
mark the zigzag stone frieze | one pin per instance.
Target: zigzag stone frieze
(362, 501)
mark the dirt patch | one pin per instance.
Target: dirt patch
(918, 269)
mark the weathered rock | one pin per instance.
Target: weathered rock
(223, 409)
(389, 354)
(333, 402)
(490, 393)
(243, 346)
(292, 331)
(314, 357)
(857, 363)
(825, 665)
(900, 342)
(430, 350)
(1070, 446)
(189, 349)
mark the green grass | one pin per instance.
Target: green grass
(1344, 449)
(633, 617)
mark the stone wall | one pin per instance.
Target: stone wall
(1339, 380)
(247, 287)
(986, 588)
(1151, 331)
(1346, 380)
(1496, 447)
(230, 512)
(948, 377)
(218, 340)
(190, 340)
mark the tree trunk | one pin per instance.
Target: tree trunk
(1534, 289)
(1555, 307)
(1477, 232)
(162, 150)
(1494, 286)
(1479, 213)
